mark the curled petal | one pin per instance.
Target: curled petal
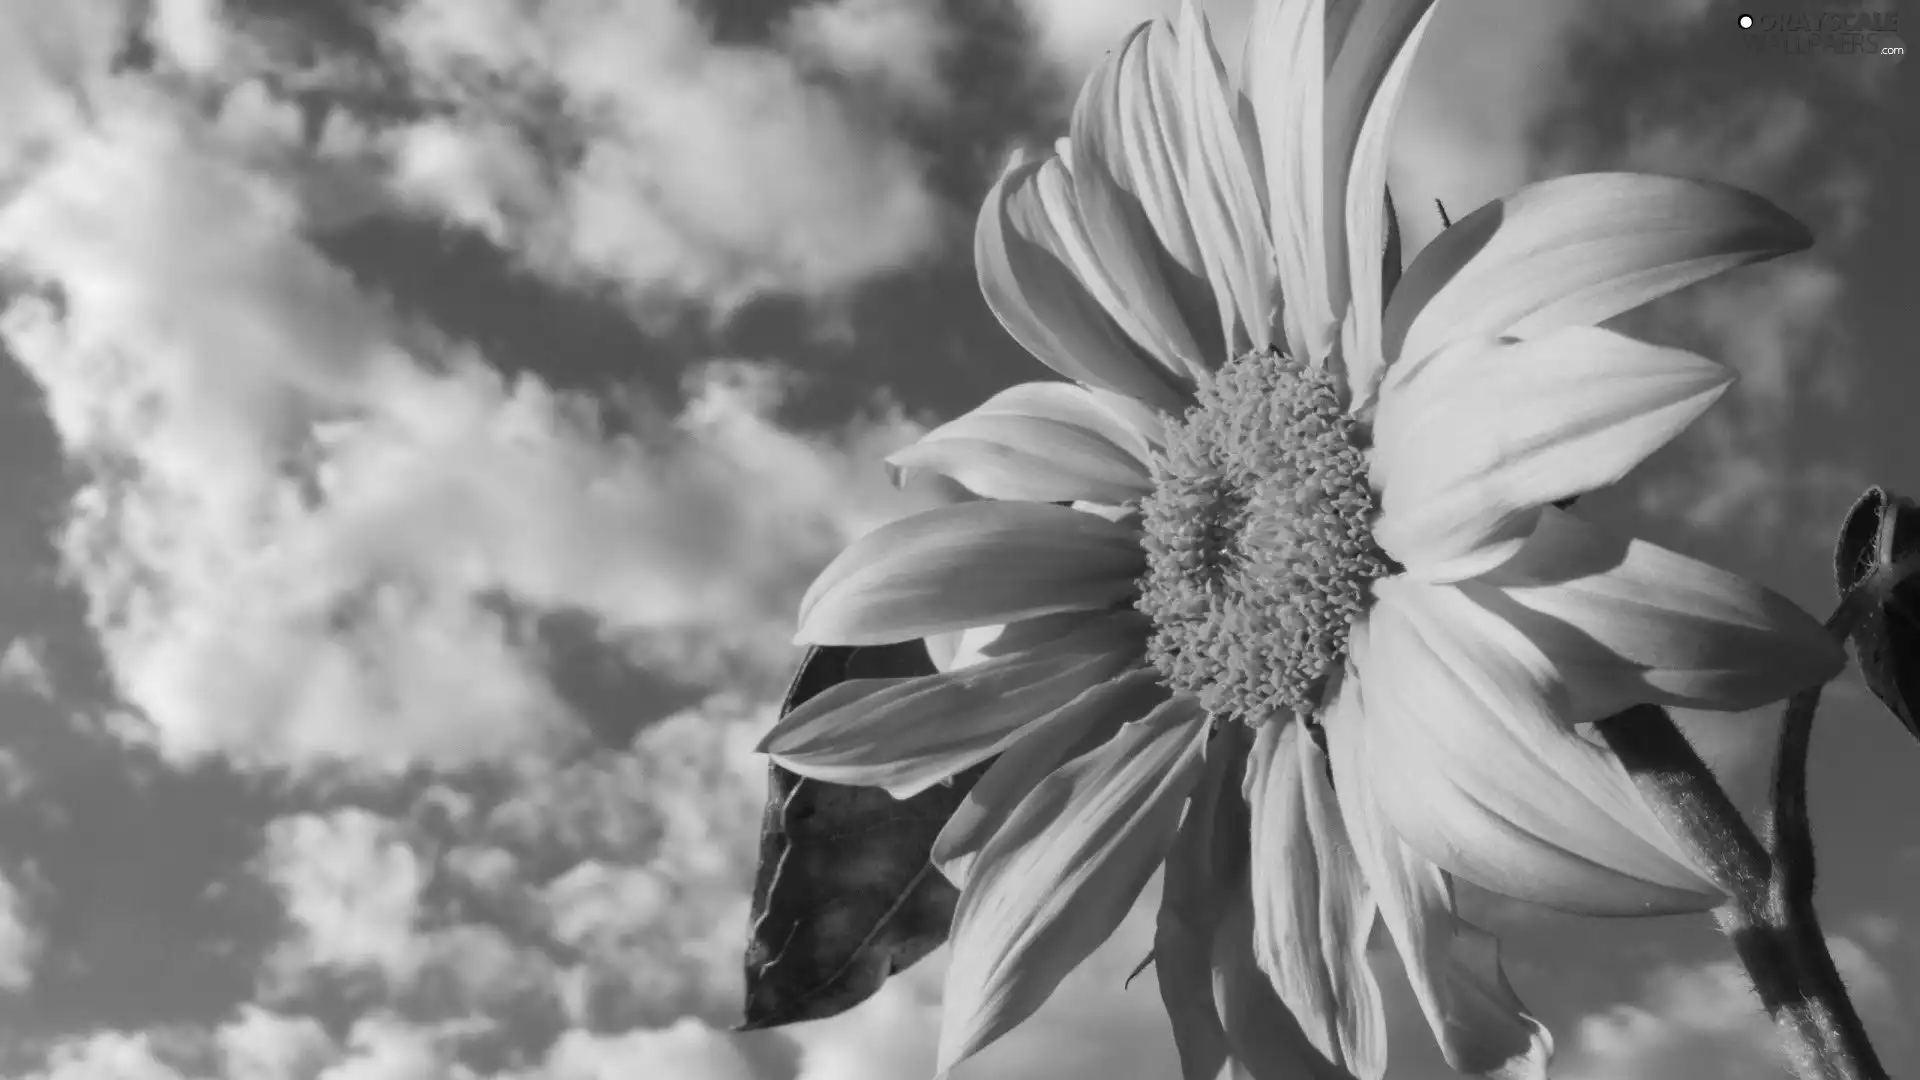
(1285, 71)
(967, 565)
(1223, 194)
(1029, 247)
(1128, 173)
(1313, 912)
(1262, 1035)
(1480, 1023)
(1474, 762)
(1625, 622)
(1045, 442)
(1205, 870)
(906, 735)
(1075, 728)
(1472, 441)
(1368, 75)
(1056, 880)
(1576, 251)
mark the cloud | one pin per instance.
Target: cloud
(20, 939)
(618, 142)
(313, 529)
(896, 46)
(23, 666)
(688, 1049)
(1704, 1023)
(351, 885)
(259, 1044)
(603, 896)
(108, 1055)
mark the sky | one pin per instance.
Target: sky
(421, 418)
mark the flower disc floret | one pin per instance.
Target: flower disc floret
(1260, 550)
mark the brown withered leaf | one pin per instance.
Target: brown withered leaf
(845, 895)
(1883, 529)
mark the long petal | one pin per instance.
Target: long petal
(1075, 728)
(1284, 71)
(1575, 251)
(1474, 762)
(1222, 195)
(1368, 76)
(971, 564)
(1625, 621)
(1470, 442)
(1481, 1025)
(1263, 1037)
(1058, 878)
(1312, 909)
(1029, 275)
(1131, 180)
(907, 735)
(1207, 866)
(1043, 442)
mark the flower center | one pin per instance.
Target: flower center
(1259, 539)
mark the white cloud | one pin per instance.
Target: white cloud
(20, 939)
(1076, 33)
(352, 885)
(262, 1045)
(619, 142)
(896, 45)
(107, 1055)
(192, 34)
(606, 896)
(1703, 1023)
(315, 532)
(386, 1049)
(23, 666)
(686, 1050)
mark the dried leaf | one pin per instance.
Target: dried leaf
(845, 895)
(1880, 530)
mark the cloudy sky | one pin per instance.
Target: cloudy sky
(421, 417)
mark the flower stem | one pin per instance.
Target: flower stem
(1770, 918)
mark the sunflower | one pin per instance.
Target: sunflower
(1272, 594)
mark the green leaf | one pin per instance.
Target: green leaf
(846, 894)
(1881, 530)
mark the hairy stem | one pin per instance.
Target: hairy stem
(1780, 945)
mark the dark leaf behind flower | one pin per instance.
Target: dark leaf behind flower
(1880, 530)
(845, 895)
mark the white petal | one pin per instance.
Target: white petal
(1075, 728)
(907, 735)
(1149, 424)
(1312, 910)
(1222, 195)
(1028, 263)
(1575, 251)
(956, 649)
(1284, 71)
(1368, 76)
(1128, 127)
(1205, 870)
(1044, 442)
(1061, 874)
(1474, 762)
(1129, 162)
(1481, 1025)
(1625, 622)
(1470, 442)
(1263, 1037)
(972, 564)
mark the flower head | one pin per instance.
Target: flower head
(1311, 636)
